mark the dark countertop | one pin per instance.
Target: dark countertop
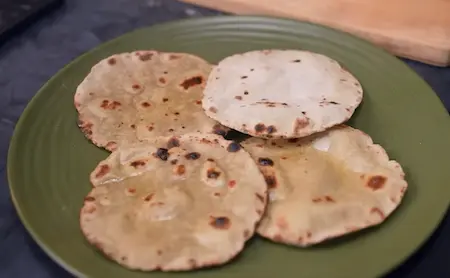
(28, 60)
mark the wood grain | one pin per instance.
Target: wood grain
(415, 29)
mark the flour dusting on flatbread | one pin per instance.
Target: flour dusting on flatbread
(281, 93)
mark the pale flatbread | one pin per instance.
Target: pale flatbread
(188, 207)
(142, 95)
(326, 185)
(281, 93)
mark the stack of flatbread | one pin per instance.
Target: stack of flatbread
(175, 195)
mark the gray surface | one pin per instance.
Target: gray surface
(28, 60)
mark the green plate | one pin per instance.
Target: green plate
(50, 160)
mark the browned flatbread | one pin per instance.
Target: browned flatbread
(142, 95)
(281, 93)
(175, 204)
(325, 185)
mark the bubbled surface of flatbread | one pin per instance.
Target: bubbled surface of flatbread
(141, 95)
(175, 204)
(326, 185)
(281, 93)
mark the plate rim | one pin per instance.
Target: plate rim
(14, 148)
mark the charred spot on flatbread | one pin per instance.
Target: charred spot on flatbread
(112, 61)
(180, 170)
(264, 161)
(190, 82)
(173, 142)
(192, 156)
(163, 154)
(376, 182)
(271, 180)
(271, 129)
(102, 170)
(220, 222)
(260, 128)
(145, 57)
(138, 163)
(233, 147)
(89, 199)
(219, 130)
(212, 173)
(299, 124)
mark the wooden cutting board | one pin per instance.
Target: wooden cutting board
(415, 29)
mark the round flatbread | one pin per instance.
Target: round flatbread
(280, 93)
(177, 204)
(326, 185)
(142, 95)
